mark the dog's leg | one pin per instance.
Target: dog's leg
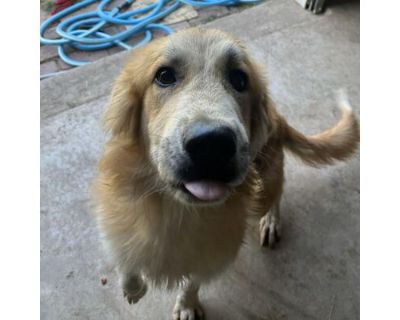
(270, 227)
(134, 287)
(271, 174)
(187, 306)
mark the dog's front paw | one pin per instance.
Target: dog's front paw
(270, 230)
(188, 310)
(134, 289)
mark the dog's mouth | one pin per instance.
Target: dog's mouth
(206, 190)
(207, 184)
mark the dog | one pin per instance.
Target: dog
(195, 147)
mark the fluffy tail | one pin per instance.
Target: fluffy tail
(337, 143)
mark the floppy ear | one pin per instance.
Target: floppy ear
(264, 119)
(123, 111)
(125, 106)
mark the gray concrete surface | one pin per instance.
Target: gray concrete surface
(313, 274)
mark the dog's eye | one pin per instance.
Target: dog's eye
(238, 79)
(165, 77)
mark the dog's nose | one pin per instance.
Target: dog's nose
(209, 145)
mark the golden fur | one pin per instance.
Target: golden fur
(153, 234)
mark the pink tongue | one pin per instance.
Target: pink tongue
(206, 190)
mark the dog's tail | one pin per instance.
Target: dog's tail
(336, 143)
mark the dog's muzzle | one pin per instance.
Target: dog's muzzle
(211, 151)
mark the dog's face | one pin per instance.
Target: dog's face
(197, 103)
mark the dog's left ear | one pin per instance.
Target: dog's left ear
(264, 118)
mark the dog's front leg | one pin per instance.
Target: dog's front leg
(270, 227)
(187, 306)
(271, 173)
(133, 286)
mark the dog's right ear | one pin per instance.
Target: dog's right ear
(123, 113)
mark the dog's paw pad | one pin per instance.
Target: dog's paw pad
(133, 293)
(188, 312)
(270, 231)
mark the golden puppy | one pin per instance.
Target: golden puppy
(196, 146)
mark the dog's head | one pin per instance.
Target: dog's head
(198, 104)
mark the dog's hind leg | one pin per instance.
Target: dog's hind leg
(187, 306)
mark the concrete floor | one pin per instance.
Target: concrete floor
(313, 274)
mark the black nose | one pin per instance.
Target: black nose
(209, 145)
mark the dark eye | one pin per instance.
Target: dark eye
(238, 79)
(165, 77)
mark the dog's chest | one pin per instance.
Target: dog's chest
(201, 242)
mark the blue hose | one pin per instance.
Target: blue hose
(84, 31)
